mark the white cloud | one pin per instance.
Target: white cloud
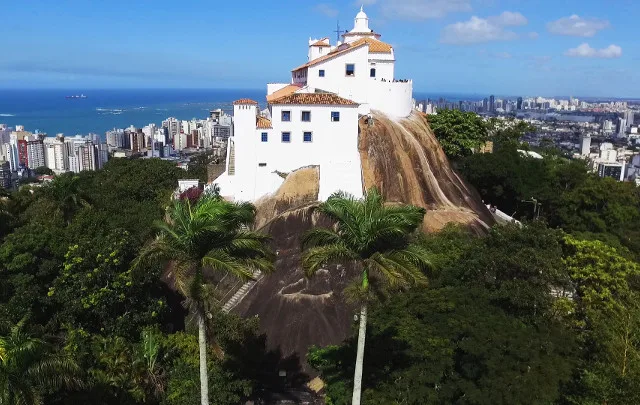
(586, 51)
(577, 26)
(478, 30)
(533, 35)
(422, 9)
(326, 10)
(509, 18)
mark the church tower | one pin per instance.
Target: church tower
(360, 29)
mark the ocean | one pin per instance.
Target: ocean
(50, 112)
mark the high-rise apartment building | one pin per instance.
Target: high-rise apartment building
(492, 103)
(5, 175)
(35, 152)
(621, 129)
(586, 145)
(629, 117)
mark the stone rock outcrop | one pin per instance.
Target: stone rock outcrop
(404, 160)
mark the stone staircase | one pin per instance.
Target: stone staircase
(242, 292)
(232, 159)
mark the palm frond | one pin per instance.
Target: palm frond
(319, 237)
(314, 258)
(220, 260)
(402, 268)
(54, 372)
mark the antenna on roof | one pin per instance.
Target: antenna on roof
(338, 31)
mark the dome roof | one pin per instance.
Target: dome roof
(361, 14)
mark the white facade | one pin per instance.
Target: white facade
(12, 153)
(56, 156)
(35, 153)
(361, 69)
(313, 121)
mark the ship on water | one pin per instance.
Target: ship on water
(76, 96)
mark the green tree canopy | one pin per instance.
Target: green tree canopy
(458, 132)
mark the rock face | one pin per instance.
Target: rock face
(404, 160)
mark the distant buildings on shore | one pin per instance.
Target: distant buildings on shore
(22, 152)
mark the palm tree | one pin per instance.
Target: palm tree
(28, 369)
(65, 191)
(377, 239)
(210, 234)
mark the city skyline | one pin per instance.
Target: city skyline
(460, 46)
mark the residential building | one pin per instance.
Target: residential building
(585, 145)
(614, 170)
(35, 152)
(5, 175)
(56, 154)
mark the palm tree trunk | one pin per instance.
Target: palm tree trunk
(357, 378)
(204, 376)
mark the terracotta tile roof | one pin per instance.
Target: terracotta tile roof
(263, 123)
(330, 55)
(322, 43)
(314, 98)
(375, 46)
(285, 91)
(245, 101)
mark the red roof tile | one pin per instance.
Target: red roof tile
(245, 101)
(313, 98)
(263, 123)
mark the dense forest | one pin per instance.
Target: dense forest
(543, 313)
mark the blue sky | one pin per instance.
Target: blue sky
(509, 47)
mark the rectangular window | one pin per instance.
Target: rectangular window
(286, 137)
(335, 116)
(265, 137)
(262, 165)
(350, 70)
(307, 137)
(373, 72)
(306, 116)
(286, 116)
(321, 72)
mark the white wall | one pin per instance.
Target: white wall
(393, 98)
(245, 152)
(334, 147)
(335, 79)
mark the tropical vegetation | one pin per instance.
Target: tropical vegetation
(105, 280)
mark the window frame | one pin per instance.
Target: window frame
(335, 116)
(372, 72)
(321, 73)
(288, 133)
(264, 137)
(304, 134)
(302, 116)
(282, 114)
(346, 70)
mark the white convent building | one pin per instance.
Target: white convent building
(313, 120)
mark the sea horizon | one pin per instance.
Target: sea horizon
(50, 112)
